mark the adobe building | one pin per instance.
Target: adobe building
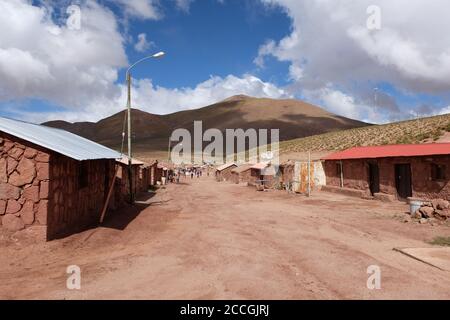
(122, 184)
(241, 174)
(393, 171)
(223, 172)
(51, 177)
(263, 173)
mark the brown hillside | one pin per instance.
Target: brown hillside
(295, 119)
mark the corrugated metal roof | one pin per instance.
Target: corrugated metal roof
(389, 151)
(57, 140)
(261, 165)
(225, 166)
(242, 168)
(124, 160)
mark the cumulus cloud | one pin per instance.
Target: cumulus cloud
(42, 60)
(331, 44)
(160, 100)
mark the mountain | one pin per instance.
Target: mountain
(294, 118)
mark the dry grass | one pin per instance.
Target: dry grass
(406, 132)
(441, 241)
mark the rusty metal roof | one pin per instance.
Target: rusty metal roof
(225, 166)
(57, 140)
(261, 165)
(134, 162)
(390, 151)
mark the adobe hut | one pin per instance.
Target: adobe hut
(241, 174)
(393, 171)
(52, 178)
(122, 185)
(263, 173)
(223, 172)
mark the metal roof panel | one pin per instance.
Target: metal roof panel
(58, 140)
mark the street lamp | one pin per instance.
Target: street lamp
(128, 76)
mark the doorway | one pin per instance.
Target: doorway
(374, 178)
(403, 180)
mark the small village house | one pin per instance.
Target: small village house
(392, 171)
(241, 174)
(263, 173)
(52, 178)
(122, 185)
(223, 172)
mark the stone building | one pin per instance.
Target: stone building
(223, 172)
(51, 177)
(241, 174)
(392, 172)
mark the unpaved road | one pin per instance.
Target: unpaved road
(208, 240)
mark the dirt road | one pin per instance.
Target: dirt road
(209, 240)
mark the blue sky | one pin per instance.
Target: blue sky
(321, 52)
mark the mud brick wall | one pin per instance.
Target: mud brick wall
(356, 175)
(225, 174)
(24, 183)
(74, 207)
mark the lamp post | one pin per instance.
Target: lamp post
(128, 76)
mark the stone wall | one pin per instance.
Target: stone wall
(24, 183)
(75, 205)
(356, 174)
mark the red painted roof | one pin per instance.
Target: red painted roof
(389, 151)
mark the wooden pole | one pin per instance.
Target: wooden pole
(111, 188)
(309, 173)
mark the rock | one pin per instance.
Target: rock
(427, 212)
(30, 153)
(8, 191)
(407, 219)
(27, 213)
(31, 193)
(26, 173)
(2, 207)
(8, 146)
(423, 221)
(12, 223)
(3, 172)
(41, 214)
(42, 157)
(15, 153)
(42, 171)
(427, 204)
(13, 206)
(43, 194)
(417, 215)
(440, 204)
(12, 165)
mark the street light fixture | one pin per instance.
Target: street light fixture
(128, 77)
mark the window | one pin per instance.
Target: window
(437, 172)
(83, 174)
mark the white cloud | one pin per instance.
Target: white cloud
(142, 9)
(159, 100)
(330, 43)
(183, 5)
(142, 44)
(42, 60)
